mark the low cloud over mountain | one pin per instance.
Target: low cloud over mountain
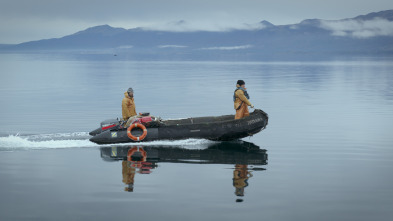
(360, 28)
(229, 47)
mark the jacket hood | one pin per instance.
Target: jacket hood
(126, 95)
(237, 86)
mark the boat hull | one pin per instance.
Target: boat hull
(223, 128)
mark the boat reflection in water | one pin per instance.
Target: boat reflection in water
(246, 158)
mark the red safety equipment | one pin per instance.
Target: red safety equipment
(136, 138)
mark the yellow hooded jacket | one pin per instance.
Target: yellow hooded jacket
(128, 107)
(239, 94)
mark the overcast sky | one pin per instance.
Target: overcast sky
(26, 20)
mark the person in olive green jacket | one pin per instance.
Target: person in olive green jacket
(241, 101)
(128, 105)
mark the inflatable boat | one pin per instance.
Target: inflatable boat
(147, 128)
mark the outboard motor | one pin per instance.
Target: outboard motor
(106, 125)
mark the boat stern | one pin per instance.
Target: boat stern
(108, 137)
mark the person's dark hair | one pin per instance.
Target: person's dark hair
(240, 82)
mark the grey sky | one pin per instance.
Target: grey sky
(25, 20)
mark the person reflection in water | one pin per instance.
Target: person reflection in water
(240, 179)
(128, 176)
(136, 159)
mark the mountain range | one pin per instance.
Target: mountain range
(364, 34)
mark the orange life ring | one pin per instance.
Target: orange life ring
(129, 129)
(136, 149)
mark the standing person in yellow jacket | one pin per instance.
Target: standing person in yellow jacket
(128, 105)
(241, 101)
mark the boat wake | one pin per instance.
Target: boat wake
(81, 140)
(45, 141)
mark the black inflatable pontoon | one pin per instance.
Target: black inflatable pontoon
(221, 128)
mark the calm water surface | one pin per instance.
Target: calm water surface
(327, 153)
